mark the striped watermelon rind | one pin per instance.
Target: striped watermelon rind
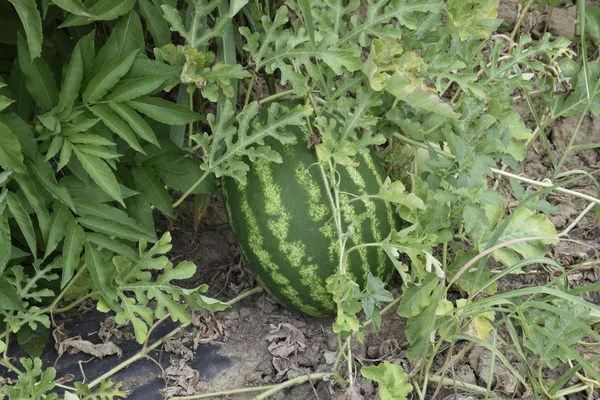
(283, 223)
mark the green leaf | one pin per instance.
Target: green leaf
(125, 37)
(155, 191)
(113, 228)
(90, 138)
(5, 102)
(249, 134)
(417, 297)
(164, 111)
(101, 174)
(87, 208)
(102, 273)
(116, 124)
(308, 18)
(130, 89)
(518, 132)
(32, 24)
(592, 21)
(135, 121)
(156, 24)
(140, 316)
(112, 245)
(39, 79)
(58, 222)
(11, 158)
(72, 247)
(107, 78)
(5, 243)
(23, 220)
(196, 301)
(395, 192)
(393, 381)
(384, 19)
(32, 341)
(37, 203)
(558, 329)
(73, 6)
(198, 35)
(98, 151)
(29, 386)
(523, 224)
(101, 10)
(72, 81)
(55, 146)
(88, 54)
(46, 176)
(9, 298)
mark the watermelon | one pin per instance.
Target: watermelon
(283, 223)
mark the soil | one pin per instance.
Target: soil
(257, 342)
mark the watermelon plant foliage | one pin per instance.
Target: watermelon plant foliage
(110, 108)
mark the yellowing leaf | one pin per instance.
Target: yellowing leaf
(472, 18)
(480, 326)
(416, 93)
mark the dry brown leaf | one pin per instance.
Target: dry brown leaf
(285, 340)
(350, 394)
(181, 379)
(111, 331)
(176, 345)
(209, 328)
(65, 379)
(76, 345)
(60, 334)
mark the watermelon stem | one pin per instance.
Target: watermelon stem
(335, 210)
(191, 189)
(276, 96)
(247, 293)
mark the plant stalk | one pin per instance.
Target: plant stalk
(191, 189)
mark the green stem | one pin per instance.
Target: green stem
(6, 362)
(250, 292)
(191, 124)
(149, 333)
(334, 209)
(62, 293)
(359, 246)
(6, 342)
(191, 189)
(249, 89)
(458, 384)
(565, 392)
(225, 393)
(76, 302)
(65, 387)
(349, 361)
(292, 382)
(428, 366)
(342, 348)
(276, 96)
(567, 150)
